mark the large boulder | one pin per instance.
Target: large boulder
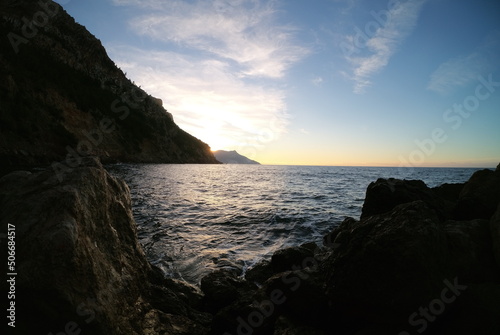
(385, 194)
(386, 266)
(291, 258)
(78, 262)
(480, 196)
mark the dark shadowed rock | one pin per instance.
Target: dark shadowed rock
(449, 192)
(260, 272)
(480, 196)
(221, 288)
(286, 326)
(385, 194)
(292, 258)
(386, 266)
(477, 312)
(302, 295)
(78, 258)
(251, 314)
(495, 234)
(332, 239)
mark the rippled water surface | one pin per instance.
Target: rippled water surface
(195, 218)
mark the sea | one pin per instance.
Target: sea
(194, 219)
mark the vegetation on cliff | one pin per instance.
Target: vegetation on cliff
(62, 97)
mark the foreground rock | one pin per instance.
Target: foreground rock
(387, 266)
(480, 196)
(411, 265)
(79, 265)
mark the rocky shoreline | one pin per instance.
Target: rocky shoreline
(419, 261)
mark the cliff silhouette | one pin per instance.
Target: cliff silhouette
(63, 98)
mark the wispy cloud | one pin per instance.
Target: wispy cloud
(317, 81)
(205, 98)
(217, 66)
(462, 70)
(381, 40)
(242, 31)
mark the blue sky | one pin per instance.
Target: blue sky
(322, 82)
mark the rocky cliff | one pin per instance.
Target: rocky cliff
(62, 98)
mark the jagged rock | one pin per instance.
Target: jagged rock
(78, 260)
(480, 196)
(385, 194)
(387, 265)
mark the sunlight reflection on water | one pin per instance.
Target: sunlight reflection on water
(195, 218)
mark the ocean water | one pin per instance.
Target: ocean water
(193, 219)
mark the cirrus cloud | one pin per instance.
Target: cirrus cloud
(380, 44)
(216, 65)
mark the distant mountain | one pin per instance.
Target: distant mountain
(232, 157)
(62, 97)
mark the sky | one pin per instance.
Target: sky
(318, 82)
